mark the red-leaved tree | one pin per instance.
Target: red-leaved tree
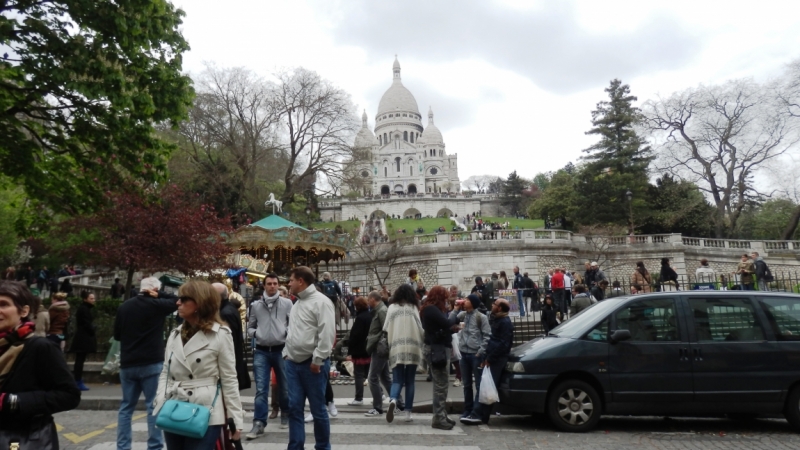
(159, 229)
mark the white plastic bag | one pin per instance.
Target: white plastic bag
(456, 351)
(488, 392)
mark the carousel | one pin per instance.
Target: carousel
(274, 244)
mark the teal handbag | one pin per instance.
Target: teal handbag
(184, 418)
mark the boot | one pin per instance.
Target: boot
(275, 403)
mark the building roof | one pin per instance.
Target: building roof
(275, 222)
(365, 136)
(397, 97)
(431, 135)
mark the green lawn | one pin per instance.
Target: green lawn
(428, 225)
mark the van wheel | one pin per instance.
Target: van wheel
(792, 409)
(574, 406)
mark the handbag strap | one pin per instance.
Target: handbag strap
(169, 368)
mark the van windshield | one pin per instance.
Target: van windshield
(580, 323)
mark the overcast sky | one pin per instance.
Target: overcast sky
(511, 82)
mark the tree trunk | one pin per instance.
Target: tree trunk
(129, 282)
(793, 222)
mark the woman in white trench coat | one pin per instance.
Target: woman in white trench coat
(199, 354)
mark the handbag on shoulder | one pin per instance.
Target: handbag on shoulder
(184, 418)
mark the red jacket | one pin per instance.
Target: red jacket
(557, 281)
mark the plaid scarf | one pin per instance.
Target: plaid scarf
(11, 347)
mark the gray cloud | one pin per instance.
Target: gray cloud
(548, 46)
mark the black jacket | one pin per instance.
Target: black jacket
(501, 339)
(85, 340)
(519, 281)
(357, 344)
(549, 320)
(139, 327)
(43, 385)
(231, 316)
(438, 326)
(668, 274)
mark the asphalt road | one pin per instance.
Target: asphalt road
(96, 430)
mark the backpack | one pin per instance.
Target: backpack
(768, 277)
(329, 289)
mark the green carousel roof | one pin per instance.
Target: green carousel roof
(274, 222)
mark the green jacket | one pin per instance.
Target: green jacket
(376, 327)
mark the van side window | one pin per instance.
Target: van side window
(725, 320)
(784, 317)
(649, 320)
(599, 333)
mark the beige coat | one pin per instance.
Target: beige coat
(643, 282)
(194, 370)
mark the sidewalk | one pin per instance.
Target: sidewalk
(108, 397)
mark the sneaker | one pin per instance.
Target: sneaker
(366, 382)
(471, 419)
(284, 421)
(443, 426)
(450, 421)
(390, 411)
(373, 413)
(408, 417)
(81, 386)
(384, 399)
(309, 418)
(457, 383)
(332, 411)
(258, 430)
(356, 402)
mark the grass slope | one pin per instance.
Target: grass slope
(428, 225)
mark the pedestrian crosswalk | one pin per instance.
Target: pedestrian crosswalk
(345, 424)
(282, 446)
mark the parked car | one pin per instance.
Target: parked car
(684, 353)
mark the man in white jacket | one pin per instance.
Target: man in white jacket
(307, 358)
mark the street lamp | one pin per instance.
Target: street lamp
(629, 196)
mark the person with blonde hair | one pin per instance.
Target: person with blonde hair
(201, 366)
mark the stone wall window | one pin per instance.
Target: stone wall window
(405, 136)
(397, 162)
(412, 137)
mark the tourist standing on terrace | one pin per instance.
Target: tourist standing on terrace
(405, 337)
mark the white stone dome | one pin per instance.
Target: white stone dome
(397, 97)
(431, 135)
(365, 136)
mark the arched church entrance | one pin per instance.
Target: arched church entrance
(412, 188)
(412, 213)
(377, 214)
(398, 189)
(445, 212)
(385, 190)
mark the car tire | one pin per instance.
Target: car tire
(574, 406)
(792, 409)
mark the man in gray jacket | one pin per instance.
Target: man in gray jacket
(307, 357)
(472, 340)
(269, 324)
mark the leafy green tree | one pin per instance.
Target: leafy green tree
(677, 206)
(616, 164)
(558, 201)
(542, 180)
(768, 220)
(81, 86)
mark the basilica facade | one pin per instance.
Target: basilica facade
(406, 158)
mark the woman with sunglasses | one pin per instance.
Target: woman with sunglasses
(200, 366)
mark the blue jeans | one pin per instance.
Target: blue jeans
(262, 363)
(404, 375)
(304, 384)
(521, 301)
(469, 369)
(485, 411)
(207, 442)
(136, 380)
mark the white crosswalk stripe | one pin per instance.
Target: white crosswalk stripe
(282, 446)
